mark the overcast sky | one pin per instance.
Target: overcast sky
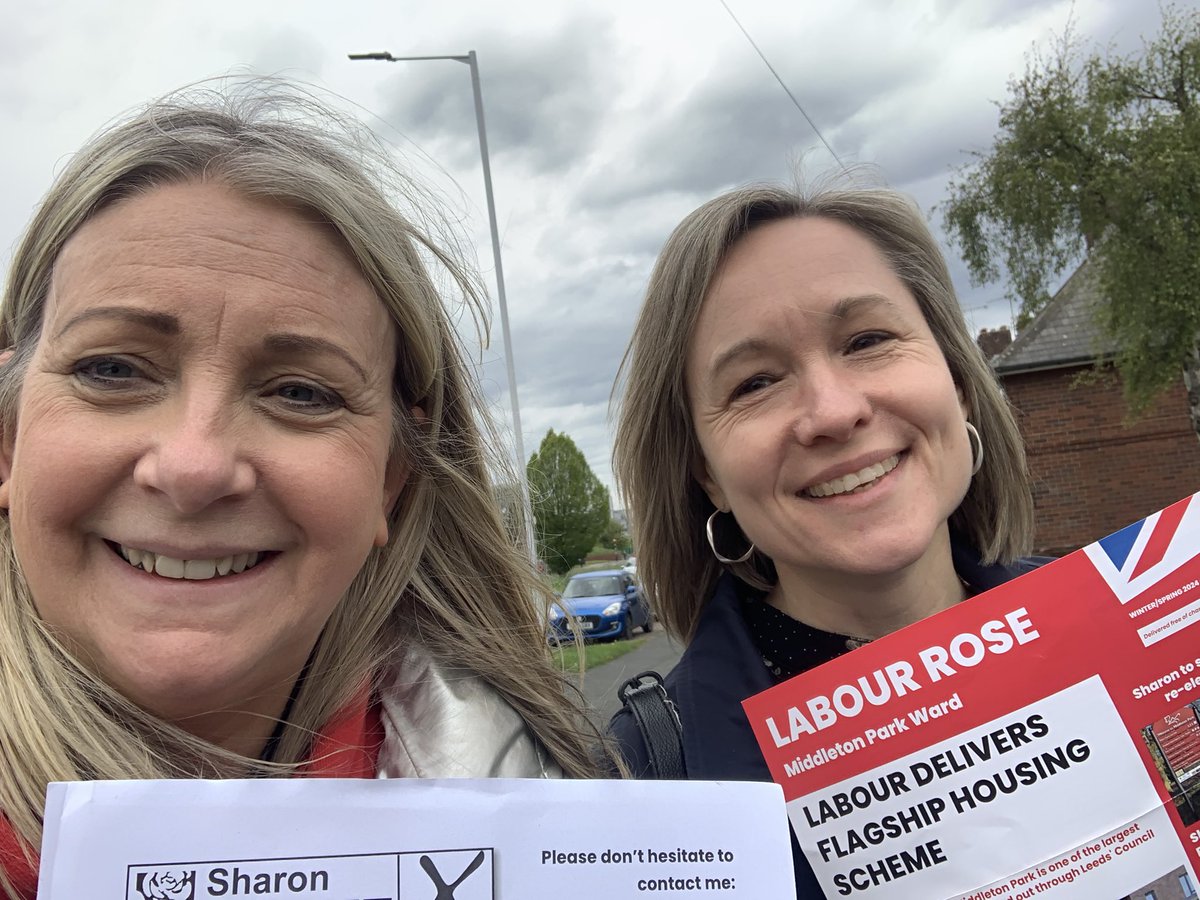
(607, 122)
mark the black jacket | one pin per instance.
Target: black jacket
(721, 667)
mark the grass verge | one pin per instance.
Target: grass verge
(594, 654)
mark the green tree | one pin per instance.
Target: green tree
(1099, 157)
(570, 505)
(615, 537)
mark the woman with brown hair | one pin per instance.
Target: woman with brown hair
(812, 450)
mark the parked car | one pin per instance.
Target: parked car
(607, 605)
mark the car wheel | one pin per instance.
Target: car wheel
(627, 628)
(649, 626)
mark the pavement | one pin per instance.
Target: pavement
(599, 683)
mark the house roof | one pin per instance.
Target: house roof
(1064, 333)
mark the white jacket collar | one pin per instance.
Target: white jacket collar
(441, 722)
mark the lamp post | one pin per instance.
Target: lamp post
(501, 298)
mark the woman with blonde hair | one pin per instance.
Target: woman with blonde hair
(249, 526)
(812, 450)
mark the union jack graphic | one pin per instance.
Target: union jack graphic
(1140, 555)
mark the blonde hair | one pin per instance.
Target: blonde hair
(450, 576)
(656, 443)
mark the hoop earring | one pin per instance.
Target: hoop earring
(976, 443)
(708, 529)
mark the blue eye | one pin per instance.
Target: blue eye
(309, 397)
(866, 340)
(105, 370)
(750, 385)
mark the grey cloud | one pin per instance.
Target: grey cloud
(17, 43)
(1117, 22)
(713, 139)
(564, 363)
(914, 143)
(567, 351)
(570, 352)
(740, 126)
(986, 14)
(284, 50)
(545, 97)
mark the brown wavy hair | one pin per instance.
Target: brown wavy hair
(656, 442)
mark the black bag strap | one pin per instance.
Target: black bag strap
(658, 721)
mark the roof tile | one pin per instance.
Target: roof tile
(1065, 332)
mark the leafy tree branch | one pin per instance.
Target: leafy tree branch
(1098, 156)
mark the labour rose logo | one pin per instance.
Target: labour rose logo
(168, 884)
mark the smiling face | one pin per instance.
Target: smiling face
(827, 418)
(201, 459)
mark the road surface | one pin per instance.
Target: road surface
(600, 683)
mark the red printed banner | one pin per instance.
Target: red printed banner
(1033, 741)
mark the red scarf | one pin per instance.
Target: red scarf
(21, 874)
(348, 747)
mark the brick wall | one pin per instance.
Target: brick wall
(1169, 887)
(1092, 471)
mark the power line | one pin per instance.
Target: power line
(983, 305)
(795, 102)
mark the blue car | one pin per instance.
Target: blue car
(607, 605)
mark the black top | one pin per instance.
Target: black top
(789, 646)
(723, 665)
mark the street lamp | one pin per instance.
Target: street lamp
(501, 298)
